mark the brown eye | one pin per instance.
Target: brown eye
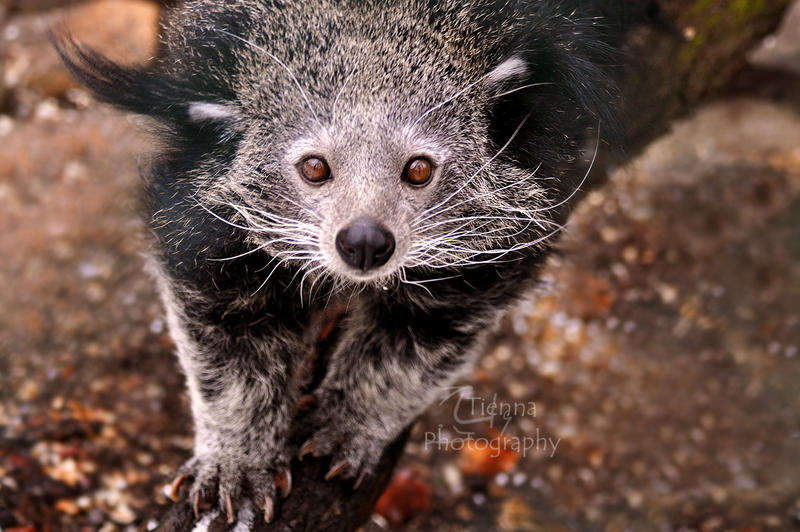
(315, 170)
(418, 172)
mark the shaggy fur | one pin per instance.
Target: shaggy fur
(503, 97)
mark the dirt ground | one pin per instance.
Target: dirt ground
(652, 383)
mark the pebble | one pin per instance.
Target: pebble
(67, 506)
(667, 293)
(122, 513)
(711, 524)
(11, 33)
(502, 353)
(47, 110)
(518, 390)
(595, 457)
(586, 475)
(157, 326)
(630, 254)
(609, 235)
(75, 171)
(6, 125)
(453, 478)
(88, 270)
(634, 498)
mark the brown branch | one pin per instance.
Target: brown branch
(314, 504)
(698, 51)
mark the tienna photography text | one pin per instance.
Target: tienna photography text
(486, 424)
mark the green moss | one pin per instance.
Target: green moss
(701, 6)
(714, 18)
(744, 9)
(691, 50)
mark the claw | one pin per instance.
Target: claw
(174, 492)
(284, 482)
(306, 448)
(359, 480)
(229, 508)
(336, 469)
(196, 504)
(269, 509)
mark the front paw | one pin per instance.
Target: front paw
(354, 451)
(223, 479)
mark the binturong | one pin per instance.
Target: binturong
(414, 159)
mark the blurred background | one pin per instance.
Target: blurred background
(655, 374)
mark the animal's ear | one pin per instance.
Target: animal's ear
(223, 118)
(550, 97)
(144, 90)
(212, 112)
(519, 102)
(505, 75)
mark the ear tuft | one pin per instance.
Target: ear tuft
(512, 69)
(212, 112)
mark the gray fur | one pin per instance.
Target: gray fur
(499, 96)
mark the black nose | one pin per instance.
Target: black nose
(365, 245)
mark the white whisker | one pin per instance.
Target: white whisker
(240, 255)
(274, 58)
(506, 93)
(483, 166)
(341, 90)
(450, 99)
(583, 180)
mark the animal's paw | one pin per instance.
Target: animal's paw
(354, 451)
(219, 480)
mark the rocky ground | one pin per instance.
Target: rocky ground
(653, 383)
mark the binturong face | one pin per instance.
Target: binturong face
(375, 180)
(365, 146)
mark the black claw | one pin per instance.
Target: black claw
(336, 469)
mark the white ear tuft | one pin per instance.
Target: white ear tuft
(511, 69)
(202, 111)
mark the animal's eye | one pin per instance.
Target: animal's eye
(418, 172)
(315, 170)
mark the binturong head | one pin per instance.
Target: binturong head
(365, 143)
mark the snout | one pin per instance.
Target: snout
(365, 245)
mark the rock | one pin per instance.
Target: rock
(126, 30)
